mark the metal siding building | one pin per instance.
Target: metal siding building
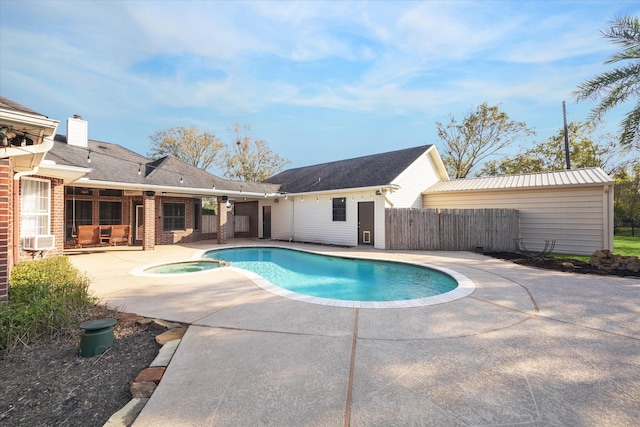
(573, 207)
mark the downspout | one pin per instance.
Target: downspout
(384, 234)
(386, 199)
(608, 220)
(16, 211)
(293, 219)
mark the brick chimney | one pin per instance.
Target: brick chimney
(77, 131)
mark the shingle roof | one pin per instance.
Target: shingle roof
(368, 171)
(115, 163)
(8, 104)
(586, 176)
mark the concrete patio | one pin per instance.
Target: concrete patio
(528, 347)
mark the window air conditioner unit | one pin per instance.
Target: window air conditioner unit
(39, 243)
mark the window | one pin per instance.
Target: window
(35, 207)
(196, 216)
(79, 212)
(173, 216)
(339, 209)
(110, 213)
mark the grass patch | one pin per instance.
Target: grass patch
(585, 258)
(626, 245)
(47, 298)
(622, 245)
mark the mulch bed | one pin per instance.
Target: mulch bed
(559, 264)
(49, 384)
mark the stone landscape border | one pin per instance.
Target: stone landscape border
(148, 379)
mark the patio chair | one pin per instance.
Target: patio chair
(88, 235)
(119, 234)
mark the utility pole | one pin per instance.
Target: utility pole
(566, 135)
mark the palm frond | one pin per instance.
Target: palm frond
(619, 85)
(630, 129)
(624, 31)
(625, 55)
(623, 79)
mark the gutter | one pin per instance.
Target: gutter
(383, 188)
(170, 189)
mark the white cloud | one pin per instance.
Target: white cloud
(234, 58)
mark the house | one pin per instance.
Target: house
(160, 199)
(52, 186)
(343, 202)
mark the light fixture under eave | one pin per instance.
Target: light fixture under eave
(3, 133)
(21, 140)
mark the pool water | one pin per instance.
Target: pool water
(184, 267)
(337, 278)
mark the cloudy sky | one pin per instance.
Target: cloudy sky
(319, 81)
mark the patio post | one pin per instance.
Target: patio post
(149, 224)
(221, 235)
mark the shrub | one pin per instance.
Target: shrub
(46, 297)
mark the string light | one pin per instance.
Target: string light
(139, 168)
(181, 180)
(89, 157)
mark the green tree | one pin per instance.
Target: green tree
(627, 193)
(621, 84)
(479, 135)
(189, 144)
(549, 155)
(248, 158)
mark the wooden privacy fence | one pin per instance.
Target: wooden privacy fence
(451, 229)
(235, 223)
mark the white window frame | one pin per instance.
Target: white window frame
(35, 207)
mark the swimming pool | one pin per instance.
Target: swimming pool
(182, 267)
(333, 280)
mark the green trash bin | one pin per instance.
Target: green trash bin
(97, 337)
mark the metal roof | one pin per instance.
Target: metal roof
(577, 177)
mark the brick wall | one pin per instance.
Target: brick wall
(149, 240)
(57, 215)
(6, 227)
(188, 235)
(222, 222)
